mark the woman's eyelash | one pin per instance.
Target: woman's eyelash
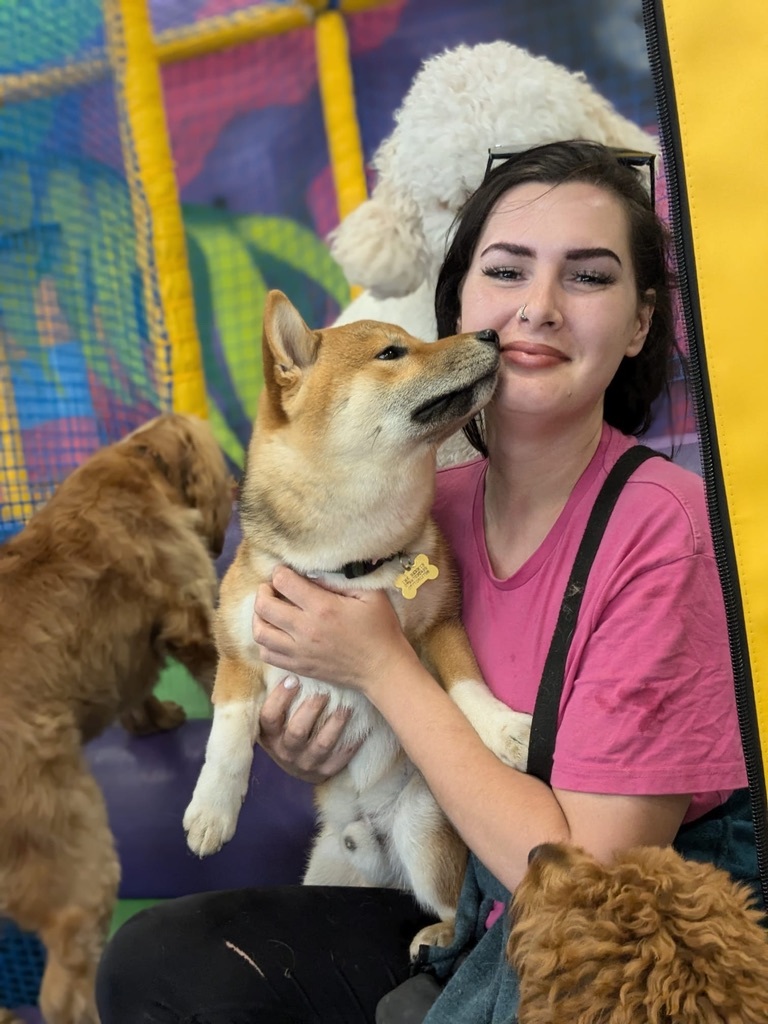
(507, 273)
(593, 277)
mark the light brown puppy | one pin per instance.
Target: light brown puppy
(113, 575)
(339, 486)
(648, 939)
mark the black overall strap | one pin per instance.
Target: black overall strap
(545, 713)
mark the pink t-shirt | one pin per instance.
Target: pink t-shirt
(648, 705)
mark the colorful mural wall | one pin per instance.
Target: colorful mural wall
(85, 341)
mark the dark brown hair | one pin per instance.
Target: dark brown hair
(640, 379)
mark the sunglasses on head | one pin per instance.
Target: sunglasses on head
(627, 157)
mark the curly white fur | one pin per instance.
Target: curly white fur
(460, 103)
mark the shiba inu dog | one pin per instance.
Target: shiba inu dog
(339, 485)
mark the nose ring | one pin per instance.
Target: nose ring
(521, 312)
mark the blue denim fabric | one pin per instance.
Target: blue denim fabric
(483, 988)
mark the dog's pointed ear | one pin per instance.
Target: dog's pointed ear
(289, 348)
(289, 345)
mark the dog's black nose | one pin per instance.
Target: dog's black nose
(488, 335)
(533, 852)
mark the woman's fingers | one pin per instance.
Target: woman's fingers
(274, 710)
(306, 743)
(301, 725)
(272, 614)
(336, 761)
(300, 591)
(305, 628)
(326, 741)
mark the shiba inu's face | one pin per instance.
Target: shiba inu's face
(341, 462)
(369, 385)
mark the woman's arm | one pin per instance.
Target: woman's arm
(355, 639)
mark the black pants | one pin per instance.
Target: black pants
(289, 955)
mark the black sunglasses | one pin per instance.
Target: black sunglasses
(627, 157)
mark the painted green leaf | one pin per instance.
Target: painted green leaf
(237, 290)
(300, 248)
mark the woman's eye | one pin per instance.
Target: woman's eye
(392, 352)
(592, 277)
(503, 273)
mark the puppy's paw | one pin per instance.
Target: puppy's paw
(153, 716)
(438, 934)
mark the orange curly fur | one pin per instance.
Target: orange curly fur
(648, 939)
(110, 577)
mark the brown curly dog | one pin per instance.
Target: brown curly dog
(110, 578)
(648, 939)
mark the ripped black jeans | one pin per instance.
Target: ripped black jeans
(286, 955)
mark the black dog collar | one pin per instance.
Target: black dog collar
(353, 570)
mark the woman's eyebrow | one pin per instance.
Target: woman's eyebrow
(591, 254)
(509, 247)
(525, 251)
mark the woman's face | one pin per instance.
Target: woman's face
(563, 253)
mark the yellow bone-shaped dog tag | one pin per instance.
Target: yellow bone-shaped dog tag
(417, 572)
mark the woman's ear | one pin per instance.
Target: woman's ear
(645, 310)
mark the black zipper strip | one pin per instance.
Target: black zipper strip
(680, 222)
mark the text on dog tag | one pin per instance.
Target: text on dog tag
(419, 571)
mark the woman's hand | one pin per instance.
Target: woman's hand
(350, 639)
(305, 745)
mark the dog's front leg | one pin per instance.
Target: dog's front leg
(211, 818)
(187, 636)
(446, 649)
(152, 716)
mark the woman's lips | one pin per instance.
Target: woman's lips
(531, 354)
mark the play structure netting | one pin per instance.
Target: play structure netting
(162, 166)
(103, 122)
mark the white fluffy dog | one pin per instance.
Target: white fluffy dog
(461, 103)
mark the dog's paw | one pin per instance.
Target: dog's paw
(439, 934)
(211, 818)
(507, 733)
(207, 828)
(504, 731)
(153, 716)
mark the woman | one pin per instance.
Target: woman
(561, 253)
